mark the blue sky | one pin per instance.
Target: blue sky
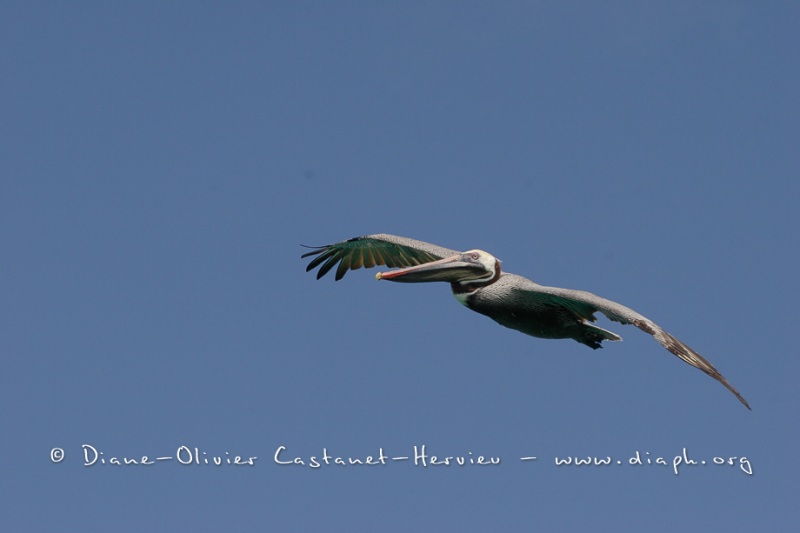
(163, 162)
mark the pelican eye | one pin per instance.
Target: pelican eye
(474, 255)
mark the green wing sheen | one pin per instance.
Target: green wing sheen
(371, 250)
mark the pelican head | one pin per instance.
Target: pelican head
(469, 266)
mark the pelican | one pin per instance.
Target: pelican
(513, 301)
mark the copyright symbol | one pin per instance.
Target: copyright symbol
(57, 455)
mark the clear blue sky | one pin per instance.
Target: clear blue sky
(163, 162)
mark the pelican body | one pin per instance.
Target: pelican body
(477, 281)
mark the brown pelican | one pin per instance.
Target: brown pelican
(513, 301)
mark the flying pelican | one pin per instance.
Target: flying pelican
(518, 303)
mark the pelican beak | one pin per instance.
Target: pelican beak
(447, 269)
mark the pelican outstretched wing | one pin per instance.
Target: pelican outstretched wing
(371, 250)
(585, 304)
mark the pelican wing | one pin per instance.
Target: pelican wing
(371, 250)
(585, 304)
